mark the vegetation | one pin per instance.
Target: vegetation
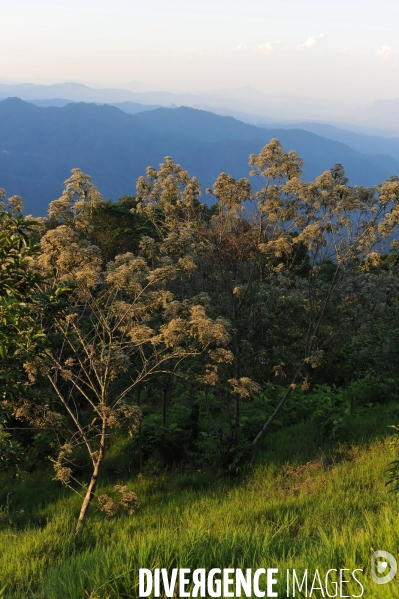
(158, 342)
(301, 506)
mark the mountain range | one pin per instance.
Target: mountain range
(40, 145)
(258, 106)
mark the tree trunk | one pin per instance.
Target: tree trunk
(287, 393)
(94, 480)
(140, 434)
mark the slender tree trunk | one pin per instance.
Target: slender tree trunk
(269, 421)
(140, 434)
(94, 479)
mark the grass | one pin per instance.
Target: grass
(300, 506)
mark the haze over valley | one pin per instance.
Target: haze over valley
(246, 103)
(39, 145)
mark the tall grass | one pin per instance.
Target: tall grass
(328, 511)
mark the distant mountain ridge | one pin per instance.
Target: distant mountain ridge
(361, 142)
(39, 147)
(129, 107)
(264, 107)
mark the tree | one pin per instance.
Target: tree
(341, 226)
(123, 327)
(115, 229)
(24, 307)
(228, 261)
(169, 197)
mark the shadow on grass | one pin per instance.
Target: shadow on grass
(33, 502)
(305, 441)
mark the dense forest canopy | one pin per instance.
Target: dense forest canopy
(192, 330)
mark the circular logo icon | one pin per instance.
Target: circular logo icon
(385, 559)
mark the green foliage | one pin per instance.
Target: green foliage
(217, 325)
(24, 305)
(186, 335)
(313, 510)
(333, 409)
(116, 229)
(11, 451)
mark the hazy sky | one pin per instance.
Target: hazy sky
(346, 49)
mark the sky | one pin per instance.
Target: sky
(346, 50)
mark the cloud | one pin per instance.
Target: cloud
(310, 42)
(384, 52)
(265, 48)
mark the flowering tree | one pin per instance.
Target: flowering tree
(340, 226)
(123, 326)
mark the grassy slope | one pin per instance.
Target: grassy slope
(317, 510)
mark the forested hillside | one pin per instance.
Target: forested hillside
(219, 321)
(160, 337)
(40, 146)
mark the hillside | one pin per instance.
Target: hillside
(314, 510)
(39, 146)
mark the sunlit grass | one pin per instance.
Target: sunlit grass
(331, 511)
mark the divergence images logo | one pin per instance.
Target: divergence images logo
(380, 566)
